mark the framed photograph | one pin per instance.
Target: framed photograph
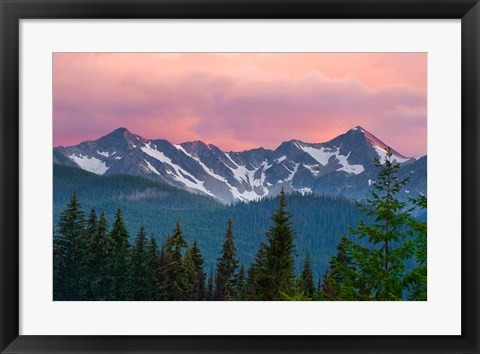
(225, 176)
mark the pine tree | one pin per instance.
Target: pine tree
(416, 280)
(307, 285)
(70, 253)
(153, 264)
(91, 230)
(196, 273)
(210, 288)
(174, 287)
(241, 285)
(277, 279)
(121, 271)
(256, 279)
(160, 271)
(100, 263)
(227, 266)
(380, 266)
(319, 288)
(341, 281)
(139, 264)
(92, 224)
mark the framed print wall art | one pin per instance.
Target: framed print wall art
(239, 177)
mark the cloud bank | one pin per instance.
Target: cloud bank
(242, 101)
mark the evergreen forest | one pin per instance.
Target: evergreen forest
(153, 242)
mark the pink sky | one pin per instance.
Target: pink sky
(242, 101)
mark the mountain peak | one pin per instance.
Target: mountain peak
(197, 144)
(120, 137)
(373, 140)
(121, 129)
(119, 132)
(358, 128)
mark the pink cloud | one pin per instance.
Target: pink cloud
(241, 101)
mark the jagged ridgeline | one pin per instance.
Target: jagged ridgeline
(342, 166)
(318, 221)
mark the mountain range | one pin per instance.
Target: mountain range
(342, 166)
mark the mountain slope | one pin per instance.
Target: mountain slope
(343, 165)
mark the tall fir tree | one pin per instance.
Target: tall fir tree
(196, 272)
(70, 253)
(241, 287)
(416, 279)
(121, 271)
(210, 288)
(100, 263)
(341, 281)
(307, 285)
(92, 224)
(153, 264)
(160, 272)
(140, 267)
(256, 279)
(227, 266)
(174, 286)
(380, 266)
(277, 279)
(91, 230)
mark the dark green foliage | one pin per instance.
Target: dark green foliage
(195, 272)
(376, 271)
(122, 271)
(92, 223)
(153, 266)
(276, 277)
(241, 287)
(100, 263)
(416, 280)
(160, 272)
(175, 285)
(70, 253)
(256, 281)
(307, 285)
(340, 281)
(141, 271)
(227, 266)
(210, 288)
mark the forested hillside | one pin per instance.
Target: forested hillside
(318, 222)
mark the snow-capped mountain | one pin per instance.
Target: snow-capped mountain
(343, 165)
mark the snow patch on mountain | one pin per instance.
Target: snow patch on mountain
(243, 174)
(91, 164)
(305, 190)
(246, 196)
(182, 176)
(382, 153)
(151, 168)
(322, 155)
(292, 172)
(205, 167)
(104, 153)
(355, 169)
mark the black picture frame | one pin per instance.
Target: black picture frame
(11, 11)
